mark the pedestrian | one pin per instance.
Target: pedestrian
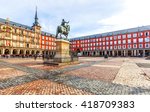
(43, 56)
(105, 56)
(35, 56)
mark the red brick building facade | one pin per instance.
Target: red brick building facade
(129, 42)
(48, 43)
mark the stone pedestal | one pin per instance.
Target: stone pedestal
(62, 51)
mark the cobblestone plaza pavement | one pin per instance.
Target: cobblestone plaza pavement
(91, 76)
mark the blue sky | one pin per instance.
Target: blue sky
(86, 16)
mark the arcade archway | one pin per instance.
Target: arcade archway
(0, 51)
(32, 52)
(37, 52)
(27, 52)
(14, 52)
(7, 51)
(21, 52)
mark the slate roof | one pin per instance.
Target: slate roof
(125, 31)
(24, 26)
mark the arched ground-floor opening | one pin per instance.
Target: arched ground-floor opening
(42, 52)
(0, 51)
(103, 53)
(27, 52)
(140, 52)
(115, 53)
(46, 52)
(6, 51)
(88, 53)
(147, 52)
(107, 52)
(32, 52)
(129, 53)
(78, 51)
(110, 53)
(21, 52)
(119, 53)
(100, 53)
(14, 52)
(94, 53)
(37, 52)
(83, 53)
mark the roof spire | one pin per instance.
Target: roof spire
(36, 23)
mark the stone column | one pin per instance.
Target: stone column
(18, 51)
(113, 53)
(97, 53)
(105, 53)
(121, 52)
(11, 51)
(117, 53)
(135, 53)
(143, 53)
(132, 52)
(109, 53)
(24, 51)
(30, 52)
(126, 52)
(102, 53)
(3, 51)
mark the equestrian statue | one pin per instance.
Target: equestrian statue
(64, 29)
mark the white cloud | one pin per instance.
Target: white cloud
(85, 16)
(135, 13)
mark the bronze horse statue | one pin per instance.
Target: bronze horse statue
(64, 29)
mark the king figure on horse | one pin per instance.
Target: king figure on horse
(64, 29)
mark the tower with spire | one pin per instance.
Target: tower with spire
(36, 26)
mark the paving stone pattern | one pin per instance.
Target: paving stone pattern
(75, 83)
(98, 87)
(45, 87)
(95, 72)
(144, 65)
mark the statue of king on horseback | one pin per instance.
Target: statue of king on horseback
(64, 29)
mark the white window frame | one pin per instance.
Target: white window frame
(123, 36)
(129, 46)
(140, 39)
(147, 45)
(119, 36)
(129, 41)
(135, 35)
(110, 38)
(147, 39)
(134, 45)
(124, 46)
(129, 35)
(124, 41)
(119, 42)
(134, 40)
(140, 45)
(115, 37)
(111, 42)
